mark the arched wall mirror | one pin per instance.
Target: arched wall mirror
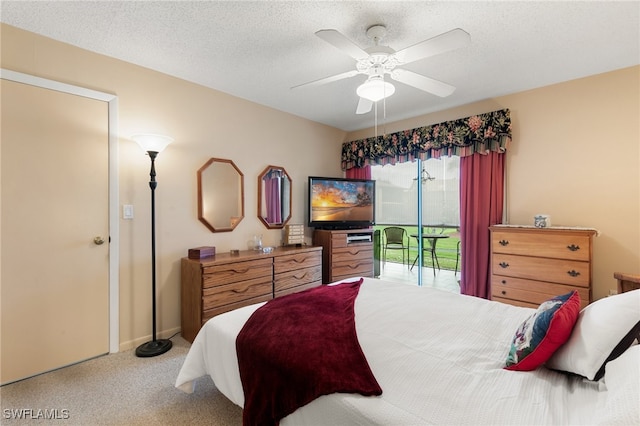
(274, 197)
(220, 195)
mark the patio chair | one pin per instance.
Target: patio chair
(395, 238)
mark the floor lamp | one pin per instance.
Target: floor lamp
(153, 145)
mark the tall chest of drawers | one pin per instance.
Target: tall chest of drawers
(530, 265)
(224, 282)
(347, 253)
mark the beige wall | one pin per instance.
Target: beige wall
(592, 179)
(204, 123)
(575, 155)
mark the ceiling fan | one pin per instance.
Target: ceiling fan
(378, 61)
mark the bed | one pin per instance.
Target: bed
(439, 358)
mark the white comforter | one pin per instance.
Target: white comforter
(438, 357)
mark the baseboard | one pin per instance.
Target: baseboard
(131, 344)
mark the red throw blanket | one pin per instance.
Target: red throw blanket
(298, 347)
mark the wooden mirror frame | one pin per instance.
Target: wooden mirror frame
(285, 200)
(217, 195)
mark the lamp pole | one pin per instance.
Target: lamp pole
(155, 346)
(152, 185)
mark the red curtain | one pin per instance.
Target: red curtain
(481, 205)
(358, 172)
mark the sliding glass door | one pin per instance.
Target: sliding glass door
(423, 197)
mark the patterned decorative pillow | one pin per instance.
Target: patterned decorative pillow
(538, 337)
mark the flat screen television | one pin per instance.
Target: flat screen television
(340, 203)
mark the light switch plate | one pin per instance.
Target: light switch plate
(127, 211)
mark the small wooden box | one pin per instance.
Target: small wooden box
(201, 252)
(293, 235)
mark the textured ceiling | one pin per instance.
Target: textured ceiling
(259, 50)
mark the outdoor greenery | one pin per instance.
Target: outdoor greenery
(445, 249)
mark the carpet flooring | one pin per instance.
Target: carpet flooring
(117, 389)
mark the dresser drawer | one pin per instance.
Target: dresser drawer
(210, 313)
(353, 277)
(302, 287)
(296, 262)
(297, 278)
(338, 240)
(521, 303)
(237, 272)
(543, 244)
(350, 254)
(235, 292)
(301, 279)
(534, 292)
(354, 268)
(542, 269)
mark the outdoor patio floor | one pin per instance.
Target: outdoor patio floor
(442, 279)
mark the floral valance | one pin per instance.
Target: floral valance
(466, 136)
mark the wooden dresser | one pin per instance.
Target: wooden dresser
(346, 253)
(530, 265)
(224, 282)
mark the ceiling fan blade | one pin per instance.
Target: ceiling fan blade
(421, 82)
(338, 40)
(364, 106)
(326, 80)
(444, 42)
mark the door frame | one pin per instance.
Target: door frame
(114, 228)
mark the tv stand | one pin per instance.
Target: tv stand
(346, 253)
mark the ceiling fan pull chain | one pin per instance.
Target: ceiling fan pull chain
(375, 119)
(384, 114)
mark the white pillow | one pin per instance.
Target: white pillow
(604, 329)
(622, 380)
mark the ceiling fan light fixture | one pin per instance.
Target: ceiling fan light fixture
(375, 89)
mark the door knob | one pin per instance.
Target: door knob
(98, 240)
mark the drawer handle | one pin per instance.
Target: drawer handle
(503, 281)
(504, 293)
(573, 273)
(573, 247)
(504, 243)
(503, 264)
(299, 277)
(356, 265)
